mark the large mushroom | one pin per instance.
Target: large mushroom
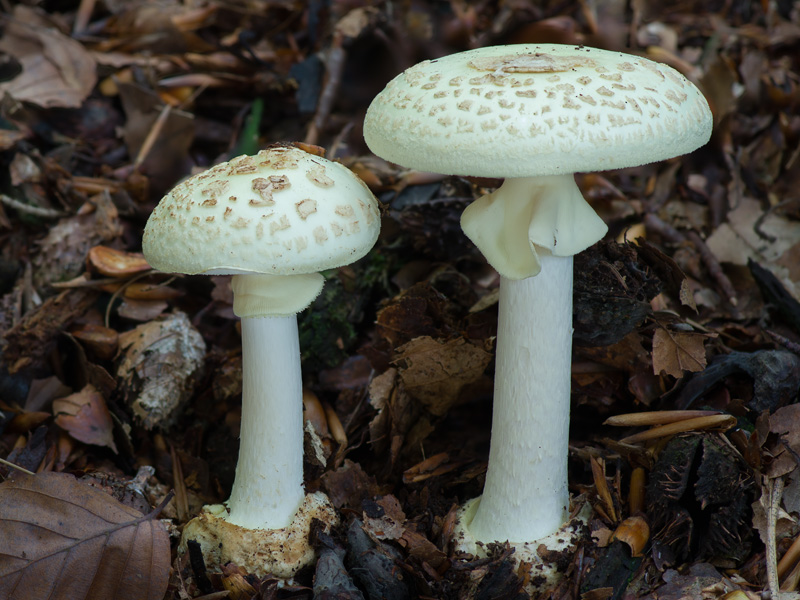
(534, 115)
(273, 221)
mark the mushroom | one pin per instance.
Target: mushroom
(273, 221)
(534, 115)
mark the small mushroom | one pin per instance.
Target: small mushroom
(534, 115)
(273, 221)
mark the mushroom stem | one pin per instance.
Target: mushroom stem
(268, 488)
(525, 497)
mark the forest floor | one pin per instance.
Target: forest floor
(129, 381)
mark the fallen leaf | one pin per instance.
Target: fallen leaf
(141, 310)
(116, 263)
(435, 372)
(752, 233)
(84, 415)
(61, 539)
(684, 585)
(418, 311)
(635, 532)
(677, 351)
(57, 71)
(30, 342)
(349, 485)
(62, 252)
(103, 341)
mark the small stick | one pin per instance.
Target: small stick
(709, 260)
(713, 266)
(657, 417)
(785, 342)
(17, 467)
(152, 135)
(334, 67)
(775, 494)
(37, 211)
(664, 229)
(83, 16)
(700, 423)
(636, 494)
(789, 558)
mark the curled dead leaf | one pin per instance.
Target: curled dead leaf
(116, 263)
(84, 415)
(635, 532)
(103, 341)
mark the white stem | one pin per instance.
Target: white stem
(268, 488)
(525, 497)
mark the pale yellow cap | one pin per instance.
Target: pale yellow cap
(283, 211)
(536, 109)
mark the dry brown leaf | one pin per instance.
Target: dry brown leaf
(84, 415)
(63, 540)
(635, 532)
(103, 341)
(116, 263)
(677, 351)
(56, 70)
(435, 372)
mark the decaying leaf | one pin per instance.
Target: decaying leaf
(161, 362)
(667, 270)
(635, 532)
(418, 311)
(30, 341)
(397, 411)
(84, 415)
(435, 372)
(677, 351)
(62, 252)
(57, 71)
(61, 539)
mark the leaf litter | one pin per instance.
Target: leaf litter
(75, 526)
(700, 314)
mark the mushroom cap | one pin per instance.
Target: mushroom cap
(283, 211)
(536, 109)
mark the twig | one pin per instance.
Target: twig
(17, 467)
(785, 342)
(120, 291)
(789, 559)
(713, 266)
(665, 230)
(334, 66)
(37, 211)
(83, 16)
(671, 234)
(152, 135)
(775, 495)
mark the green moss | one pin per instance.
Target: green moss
(326, 330)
